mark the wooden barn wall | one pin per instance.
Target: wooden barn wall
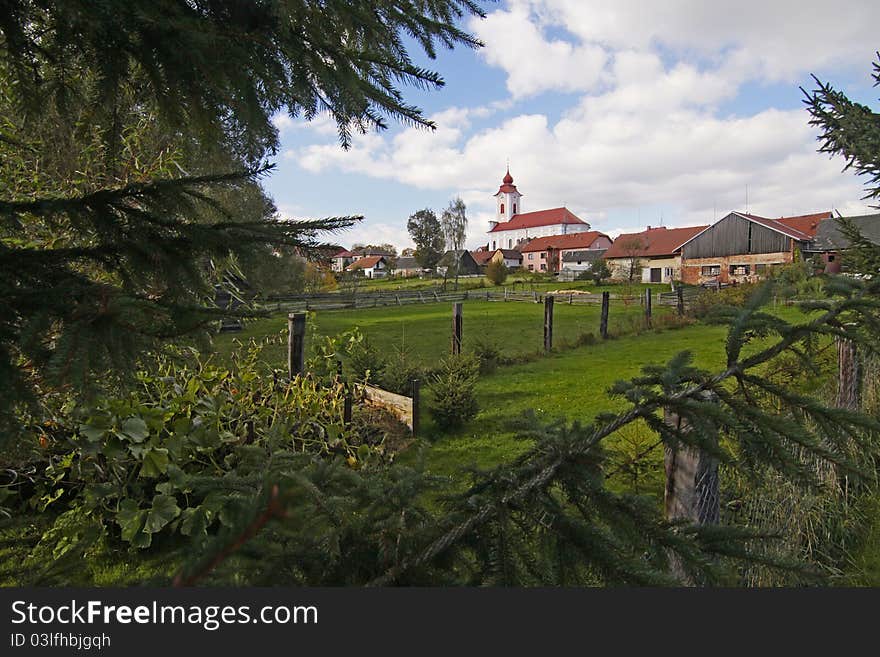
(730, 236)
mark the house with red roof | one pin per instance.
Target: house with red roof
(743, 247)
(513, 227)
(370, 266)
(341, 259)
(652, 256)
(546, 253)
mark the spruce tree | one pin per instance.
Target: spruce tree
(133, 136)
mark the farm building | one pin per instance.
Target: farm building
(652, 256)
(467, 266)
(371, 266)
(831, 244)
(545, 253)
(511, 226)
(578, 261)
(407, 266)
(742, 247)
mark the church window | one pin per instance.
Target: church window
(493, 245)
(514, 208)
(510, 246)
(502, 208)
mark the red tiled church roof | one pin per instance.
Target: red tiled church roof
(569, 241)
(551, 217)
(652, 242)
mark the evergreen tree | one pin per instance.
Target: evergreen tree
(130, 172)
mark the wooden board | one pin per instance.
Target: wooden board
(400, 406)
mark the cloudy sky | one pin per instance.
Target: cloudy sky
(629, 113)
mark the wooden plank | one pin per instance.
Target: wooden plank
(399, 405)
(548, 322)
(603, 320)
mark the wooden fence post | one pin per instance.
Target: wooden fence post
(296, 343)
(692, 483)
(679, 292)
(648, 306)
(548, 322)
(416, 399)
(456, 328)
(848, 375)
(603, 321)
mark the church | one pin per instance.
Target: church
(512, 227)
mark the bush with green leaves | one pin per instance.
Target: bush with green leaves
(177, 455)
(488, 353)
(496, 271)
(453, 390)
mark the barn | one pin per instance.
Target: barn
(743, 247)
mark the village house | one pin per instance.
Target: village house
(580, 261)
(510, 258)
(742, 247)
(511, 227)
(370, 266)
(652, 256)
(341, 259)
(545, 253)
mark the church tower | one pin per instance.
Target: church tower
(507, 199)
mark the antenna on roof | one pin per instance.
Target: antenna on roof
(748, 207)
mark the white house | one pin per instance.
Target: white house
(371, 266)
(512, 226)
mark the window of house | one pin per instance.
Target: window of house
(740, 270)
(531, 267)
(710, 270)
(830, 257)
(667, 272)
(531, 256)
(543, 267)
(543, 256)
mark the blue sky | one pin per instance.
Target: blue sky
(627, 113)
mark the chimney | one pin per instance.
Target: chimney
(649, 228)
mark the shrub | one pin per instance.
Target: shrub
(399, 372)
(454, 398)
(488, 354)
(496, 272)
(365, 360)
(709, 300)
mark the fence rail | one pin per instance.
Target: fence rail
(336, 301)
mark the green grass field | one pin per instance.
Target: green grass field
(424, 331)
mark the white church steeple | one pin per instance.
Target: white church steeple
(507, 199)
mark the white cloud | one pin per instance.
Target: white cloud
(534, 63)
(650, 128)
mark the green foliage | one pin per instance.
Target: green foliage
(426, 232)
(454, 401)
(496, 271)
(141, 466)
(599, 271)
(488, 353)
(707, 301)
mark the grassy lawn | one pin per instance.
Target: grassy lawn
(424, 331)
(513, 282)
(570, 385)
